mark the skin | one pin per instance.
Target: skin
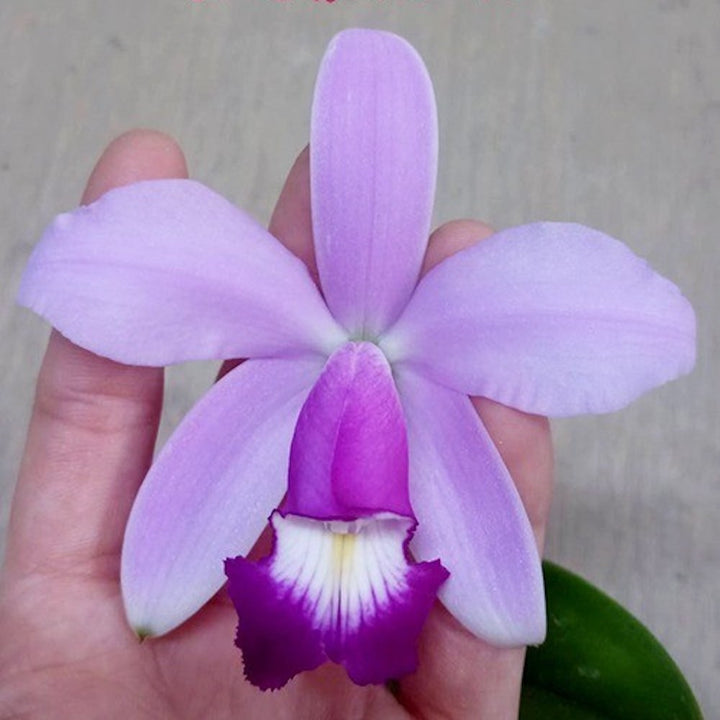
(66, 649)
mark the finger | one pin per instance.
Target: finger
(291, 221)
(94, 421)
(460, 676)
(291, 224)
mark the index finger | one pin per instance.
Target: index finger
(459, 675)
(94, 421)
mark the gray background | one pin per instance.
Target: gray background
(606, 113)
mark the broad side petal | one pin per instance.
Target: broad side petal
(551, 318)
(471, 517)
(211, 490)
(167, 270)
(373, 158)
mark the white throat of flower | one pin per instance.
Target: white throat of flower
(343, 572)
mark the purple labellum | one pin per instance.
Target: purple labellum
(339, 583)
(340, 591)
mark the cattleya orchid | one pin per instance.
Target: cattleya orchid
(350, 423)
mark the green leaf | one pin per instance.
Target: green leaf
(538, 704)
(598, 662)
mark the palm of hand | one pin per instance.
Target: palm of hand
(67, 651)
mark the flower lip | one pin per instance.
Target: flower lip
(352, 597)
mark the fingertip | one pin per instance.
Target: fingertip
(452, 237)
(291, 224)
(460, 676)
(291, 221)
(525, 444)
(523, 440)
(139, 154)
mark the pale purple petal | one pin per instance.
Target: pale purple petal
(351, 597)
(373, 158)
(210, 491)
(471, 517)
(167, 270)
(349, 451)
(551, 318)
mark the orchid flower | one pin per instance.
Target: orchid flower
(353, 404)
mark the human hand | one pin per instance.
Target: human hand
(67, 651)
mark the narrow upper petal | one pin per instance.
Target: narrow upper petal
(550, 318)
(349, 452)
(471, 517)
(167, 270)
(373, 158)
(211, 490)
